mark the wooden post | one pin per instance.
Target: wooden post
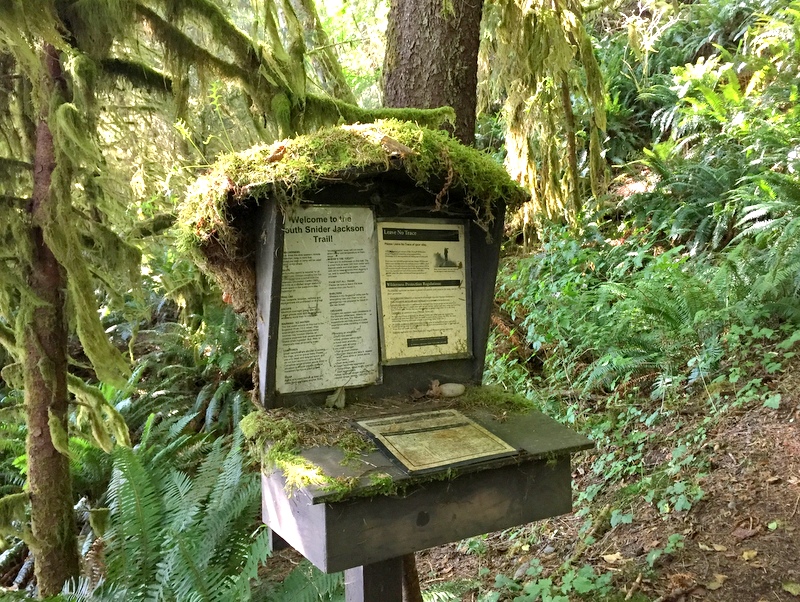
(381, 581)
(276, 542)
(411, 591)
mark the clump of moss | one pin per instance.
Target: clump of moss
(288, 169)
(494, 399)
(354, 444)
(215, 220)
(275, 441)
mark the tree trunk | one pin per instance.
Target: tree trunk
(432, 58)
(45, 369)
(572, 150)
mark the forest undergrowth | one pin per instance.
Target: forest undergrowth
(663, 322)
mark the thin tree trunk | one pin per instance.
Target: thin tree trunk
(321, 53)
(432, 58)
(45, 369)
(572, 149)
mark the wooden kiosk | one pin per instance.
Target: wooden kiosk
(370, 280)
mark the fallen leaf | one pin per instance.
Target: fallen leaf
(717, 582)
(792, 587)
(749, 554)
(705, 548)
(742, 533)
(336, 399)
(719, 548)
(613, 558)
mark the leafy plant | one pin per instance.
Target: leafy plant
(179, 536)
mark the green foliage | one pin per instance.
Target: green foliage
(545, 73)
(173, 535)
(307, 584)
(583, 583)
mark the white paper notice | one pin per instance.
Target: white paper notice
(328, 333)
(423, 290)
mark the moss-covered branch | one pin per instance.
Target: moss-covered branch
(14, 200)
(223, 30)
(178, 42)
(155, 225)
(322, 110)
(138, 74)
(9, 165)
(8, 339)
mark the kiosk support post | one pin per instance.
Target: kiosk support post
(372, 582)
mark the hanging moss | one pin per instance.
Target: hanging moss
(103, 418)
(13, 513)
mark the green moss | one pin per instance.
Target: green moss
(270, 438)
(13, 512)
(277, 437)
(354, 445)
(495, 400)
(288, 170)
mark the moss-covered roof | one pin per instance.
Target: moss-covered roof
(289, 169)
(217, 204)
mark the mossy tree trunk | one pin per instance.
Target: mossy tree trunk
(432, 58)
(45, 366)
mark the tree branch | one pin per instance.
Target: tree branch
(9, 164)
(138, 74)
(153, 226)
(14, 200)
(8, 339)
(177, 41)
(323, 110)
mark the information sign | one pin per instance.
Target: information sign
(328, 332)
(423, 290)
(426, 440)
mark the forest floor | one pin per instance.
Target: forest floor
(741, 540)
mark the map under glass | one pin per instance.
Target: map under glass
(429, 440)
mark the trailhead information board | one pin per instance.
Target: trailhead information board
(359, 292)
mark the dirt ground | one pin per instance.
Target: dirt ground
(741, 541)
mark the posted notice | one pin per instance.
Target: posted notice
(328, 332)
(423, 290)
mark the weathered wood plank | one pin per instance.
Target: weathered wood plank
(340, 535)
(294, 518)
(367, 530)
